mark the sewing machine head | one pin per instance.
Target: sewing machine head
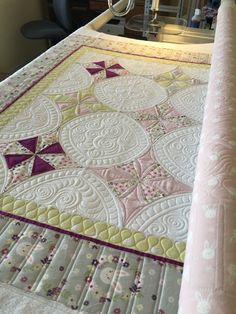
(157, 27)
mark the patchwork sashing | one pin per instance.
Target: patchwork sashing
(82, 275)
(105, 172)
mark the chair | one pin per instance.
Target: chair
(52, 31)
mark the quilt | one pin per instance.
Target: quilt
(98, 148)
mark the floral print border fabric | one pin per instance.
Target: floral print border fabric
(83, 275)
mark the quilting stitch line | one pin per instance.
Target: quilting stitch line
(83, 237)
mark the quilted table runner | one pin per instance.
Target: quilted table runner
(98, 148)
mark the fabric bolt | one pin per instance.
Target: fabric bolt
(209, 279)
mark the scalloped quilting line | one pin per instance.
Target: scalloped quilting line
(159, 258)
(156, 246)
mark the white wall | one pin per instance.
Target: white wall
(15, 50)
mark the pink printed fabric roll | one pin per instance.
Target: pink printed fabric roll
(209, 280)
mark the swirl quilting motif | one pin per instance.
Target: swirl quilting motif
(130, 93)
(190, 101)
(103, 139)
(177, 153)
(95, 147)
(74, 79)
(73, 191)
(38, 118)
(168, 216)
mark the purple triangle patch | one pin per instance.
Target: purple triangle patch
(110, 74)
(52, 149)
(101, 64)
(40, 166)
(94, 70)
(30, 144)
(116, 67)
(14, 159)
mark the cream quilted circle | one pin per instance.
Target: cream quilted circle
(101, 139)
(73, 191)
(40, 117)
(177, 153)
(130, 93)
(190, 101)
(3, 173)
(140, 67)
(74, 79)
(166, 217)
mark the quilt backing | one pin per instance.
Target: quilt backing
(98, 148)
(209, 279)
